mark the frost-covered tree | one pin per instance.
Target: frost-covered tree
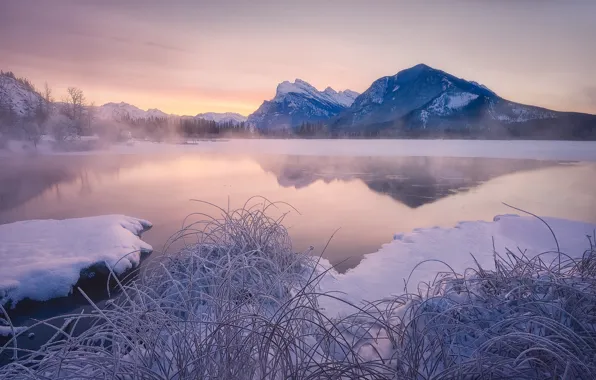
(61, 127)
(75, 107)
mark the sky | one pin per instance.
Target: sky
(192, 56)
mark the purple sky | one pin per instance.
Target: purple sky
(188, 56)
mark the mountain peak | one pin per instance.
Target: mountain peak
(330, 91)
(299, 86)
(413, 72)
(420, 66)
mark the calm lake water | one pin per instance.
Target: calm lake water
(368, 199)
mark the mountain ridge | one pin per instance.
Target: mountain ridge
(416, 102)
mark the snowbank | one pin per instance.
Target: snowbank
(383, 273)
(43, 259)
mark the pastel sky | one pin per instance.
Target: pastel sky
(191, 56)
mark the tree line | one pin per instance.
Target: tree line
(38, 114)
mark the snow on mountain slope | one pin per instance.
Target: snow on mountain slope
(510, 112)
(299, 102)
(120, 111)
(448, 102)
(345, 98)
(225, 117)
(18, 97)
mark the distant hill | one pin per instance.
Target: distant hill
(226, 117)
(124, 111)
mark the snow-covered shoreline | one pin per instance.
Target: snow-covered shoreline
(514, 149)
(44, 259)
(416, 255)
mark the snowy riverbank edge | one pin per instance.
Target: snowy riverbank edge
(418, 256)
(44, 259)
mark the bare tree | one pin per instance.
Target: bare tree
(76, 102)
(47, 93)
(75, 105)
(90, 117)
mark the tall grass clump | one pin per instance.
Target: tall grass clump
(236, 302)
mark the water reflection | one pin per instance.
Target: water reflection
(413, 181)
(369, 198)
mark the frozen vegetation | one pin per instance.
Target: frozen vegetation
(238, 303)
(44, 259)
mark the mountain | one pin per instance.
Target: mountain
(299, 102)
(226, 117)
(124, 111)
(18, 95)
(422, 101)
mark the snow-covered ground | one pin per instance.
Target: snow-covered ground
(43, 259)
(539, 150)
(383, 273)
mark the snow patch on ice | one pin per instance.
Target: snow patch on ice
(383, 273)
(43, 259)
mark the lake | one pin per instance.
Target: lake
(365, 199)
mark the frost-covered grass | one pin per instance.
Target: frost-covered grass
(237, 303)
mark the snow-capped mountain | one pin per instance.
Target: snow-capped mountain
(426, 100)
(299, 102)
(226, 117)
(392, 97)
(122, 111)
(18, 96)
